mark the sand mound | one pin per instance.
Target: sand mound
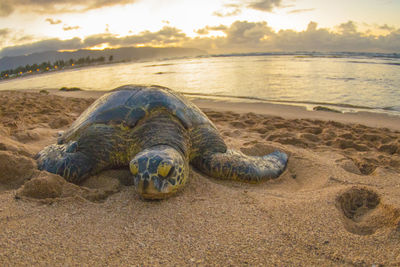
(15, 170)
(45, 185)
(12, 145)
(50, 187)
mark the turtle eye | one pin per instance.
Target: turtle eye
(134, 168)
(165, 170)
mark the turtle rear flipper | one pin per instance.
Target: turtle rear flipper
(63, 160)
(234, 165)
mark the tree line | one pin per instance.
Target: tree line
(57, 65)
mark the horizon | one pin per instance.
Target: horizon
(218, 27)
(206, 53)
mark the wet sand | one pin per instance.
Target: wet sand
(337, 203)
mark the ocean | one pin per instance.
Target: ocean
(349, 82)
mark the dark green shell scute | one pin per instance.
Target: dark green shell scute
(115, 115)
(159, 97)
(108, 103)
(134, 116)
(103, 110)
(129, 104)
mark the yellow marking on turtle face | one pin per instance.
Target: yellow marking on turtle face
(134, 169)
(163, 169)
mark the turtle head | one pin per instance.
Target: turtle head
(159, 172)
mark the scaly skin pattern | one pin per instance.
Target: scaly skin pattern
(157, 133)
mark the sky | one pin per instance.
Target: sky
(217, 26)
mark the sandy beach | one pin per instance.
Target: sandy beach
(336, 204)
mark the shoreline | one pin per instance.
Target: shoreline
(371, 119)
(345, 100)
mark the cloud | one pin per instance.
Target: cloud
(221, 14)
(70, 28)
(7, 7)
(348, 28)
(42, 46)
(202, 31)
(4, 32)
(387, 27)
(23, 38)
(8, 36)
(53, 21)
(65, 27)
(98, 39)
(391, 42)
(243, 36)
(229, 10)
(217, 28)
(312, 26)
(207, 29)
(235, 8)
(240, 36)
(167, 36)
(241, 32)
(265, 5)
(347, 39)
(295, 11)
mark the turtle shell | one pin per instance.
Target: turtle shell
(130, 103)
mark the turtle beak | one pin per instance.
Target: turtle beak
(152, 188)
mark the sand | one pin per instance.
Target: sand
(337, 203)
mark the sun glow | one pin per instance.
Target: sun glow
(100, 47)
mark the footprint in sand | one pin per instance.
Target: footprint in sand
(238, 124)
(359, 166)
(363, 212)
(367, 166)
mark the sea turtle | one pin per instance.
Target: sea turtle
(157, 132)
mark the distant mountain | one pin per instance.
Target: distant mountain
(118, 54)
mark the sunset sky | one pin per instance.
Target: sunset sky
(28, 26)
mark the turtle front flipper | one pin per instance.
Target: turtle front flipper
(211, 156)
(234, 165)
(65, 161)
